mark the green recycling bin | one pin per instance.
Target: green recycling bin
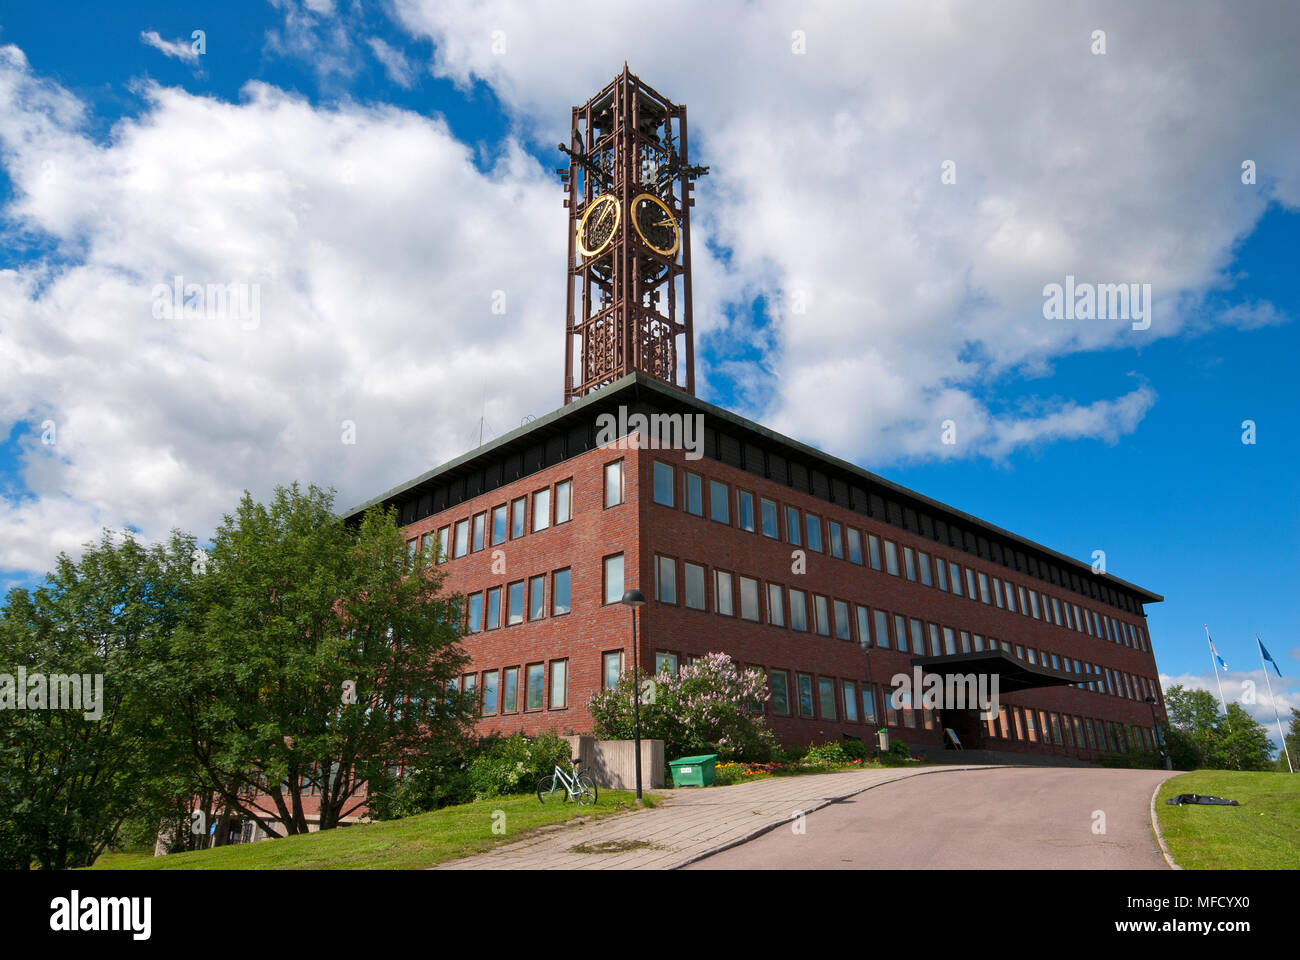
(693, 771)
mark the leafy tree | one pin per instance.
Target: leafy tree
(1292, 742)
(1240, 743)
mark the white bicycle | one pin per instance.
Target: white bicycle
(567, 786)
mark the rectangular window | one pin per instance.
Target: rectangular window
(722, 593)
(695, 494)
(979, 641)
(923, 561)
(869, 703)
(1056, 611)
(518, 510)
(900, 632)
(909, 564)
(814, 527)
(1011, 596)
(934, 640)
(745, 510)
(1033, 603)
(965, 641)
(559, 684)
(613, 669)
(918, 637)
(535, 686)
(792, 525)
(822, 610)
(863, 616)
(499, 524)
(718, 507)
(694, 586)
(941, 570)
(835, 539)
(873, 551)
(1024, 609)
(843, 631)
(850, 701)
(749, 598)
(614, 483)
(537, 597)
(970, 584)
(515, 603)
(826, 694)
(775, 605)
(954, 577)
(475, 621)
(494, 608)
(564, 501)
(541, 509)
(462, 537)
(412, 548)
(470, 687)
(855, 545)
(997, 592)
(798, 610)
(891, 558)
(768, 509)
(490, 693)
(444, 544)
(949, 641)
(614, 578)
(666, 579)
(664, 483)
(560, 592)
(666, 663)
(805, 695)
(882, 629)
(984, 588)
(480, 521)
(780, 681)
(510, 690)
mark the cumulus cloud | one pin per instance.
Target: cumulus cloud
(1248, 688)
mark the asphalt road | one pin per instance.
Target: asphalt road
(1008, 818)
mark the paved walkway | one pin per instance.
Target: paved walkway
(688, 824)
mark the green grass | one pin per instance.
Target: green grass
(1261, 834)
(411, 843)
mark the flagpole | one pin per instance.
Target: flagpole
(1276, 716)
(1214, 662)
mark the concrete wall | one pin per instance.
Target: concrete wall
(612, 763)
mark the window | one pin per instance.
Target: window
(490, 693)
(559, 684)
(613, 669)
(745, 510)
(941, 572)
(984, 588)
(965, 641)
(1010, 593)
(954, 577)
(873, 550)
(900, 633)
(564, 501)
(718, 507)
(863, 615)
(480, 521)
(923, 561)
(412, 548)
(494, 608)
(792, 525)
(614, 483)
(614, 578)
(1056, 611)
(1024, 608)
(722, 593)
(909, 563)
(537, 597)
(444, 544)
(768, 509)
(869, 703)
(882, 629)
(979, 641)
(949, 641)
(775, 605)
(814, 525)
(666, 579)
(467, 683)
(970, 583)
(835, 536)
(843, 631)
(666, 663)
(805, 695)
(515, 603)
(749, 598)
(891, 558)
(560, 592)
(498, 524)
(462, 537)
(997, 592)
(780, 681)
(664, 483)
(826, 696)
(541, 509)
(1033, 603)
(934, 640)
(517, 511)
(510, 690)
(918, 637)
(475, 620)
(822, 610)
(694, 494)
(855, 545)
(694, 586)
(798, 610)
(535, 686)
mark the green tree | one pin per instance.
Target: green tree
(1293, 744)
(1240, 743)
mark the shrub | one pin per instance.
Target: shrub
(857, 749)
(829, 752)
(725, 774)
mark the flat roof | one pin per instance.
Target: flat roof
(637, 383)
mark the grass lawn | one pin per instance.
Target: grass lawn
(419, 841)
(1261, 834)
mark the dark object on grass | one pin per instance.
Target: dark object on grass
(1200, 798)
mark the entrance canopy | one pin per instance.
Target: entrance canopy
(1013, 674)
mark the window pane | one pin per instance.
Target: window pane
(855, 545)
(564, 501)
(941, 569)
(614, 483)
(489, 693)
(780, 692)
(515, 611)
(749, 598)
(826, 694)
(954, 577)
(479, 523)
(695, 494)
(559, 684)
(510, 690)
(842, 629)
(850, 701)
(822, 610)
(745, 506)
(499, 524)
(900, 632)
(769, 518)
(718, 507)
(909, 563)
(614, 578)
(475, 613)
(560, 591)
(537, 595)
(873, 550)
(882, 629)
(814, 527)
(518, 509)
(462, 537)
(694, 586)
(722, 593)
(775, 605)
(949, 641)
(541, 509)
(918, 637)
(536, 686)
(798, 610)
(891, 557)
(805, 695)
(494, 608)
(666, 571)
(835, 534)
(613, 667)
(792, 525)
(984, 588)
(869, 703)
(444, 543)
(663, 483)
(863, 616)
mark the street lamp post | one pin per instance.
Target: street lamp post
(1160, 740)
(866, 646)
(635, 598)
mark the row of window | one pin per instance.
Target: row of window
(823, 535)
(528, 688)
(528, 598)
(781, 606)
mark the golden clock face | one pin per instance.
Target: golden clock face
(656, 224)
(598, 225)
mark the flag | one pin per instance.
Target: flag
(1223, 665)
(1263, 652)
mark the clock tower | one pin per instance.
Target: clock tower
(629, 181)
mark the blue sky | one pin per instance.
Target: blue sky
(122, 166)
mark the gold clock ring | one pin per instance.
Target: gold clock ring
(598, 207)
(670, 219)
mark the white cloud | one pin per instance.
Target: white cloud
(396, 65)
(176, 49)
(1248, 688)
